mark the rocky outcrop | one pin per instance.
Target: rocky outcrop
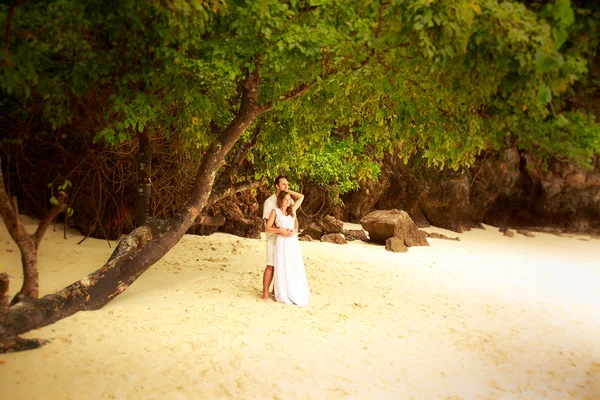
(385, 224)
(329, 228)
(505, 188)
(560, 196)
(508, 188)
(313, 230)
(237, 215)
(330, 224)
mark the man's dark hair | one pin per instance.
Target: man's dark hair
(280, 177)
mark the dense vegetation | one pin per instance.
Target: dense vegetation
(236, 92)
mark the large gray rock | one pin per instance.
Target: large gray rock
(384, 224)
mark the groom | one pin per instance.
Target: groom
(281, 184)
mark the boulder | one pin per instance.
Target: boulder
(314, 230)
(336, 238)
(331, 225)
(355, 234)
(396, 245)
(384, 224)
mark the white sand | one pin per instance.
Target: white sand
(488, 317)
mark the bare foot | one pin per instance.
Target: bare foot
(265, 296)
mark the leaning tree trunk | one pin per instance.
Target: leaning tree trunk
(136, 252)
(144, 172)
(146, 244)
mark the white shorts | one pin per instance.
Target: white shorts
(271, 248)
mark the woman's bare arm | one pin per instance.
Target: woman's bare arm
(298, 199)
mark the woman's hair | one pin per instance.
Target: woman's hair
(280, 198)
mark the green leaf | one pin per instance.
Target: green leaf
(546, 63)
(563, 12)
(544, 95)
(559, 34)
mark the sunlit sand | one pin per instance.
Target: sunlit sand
(488, 317)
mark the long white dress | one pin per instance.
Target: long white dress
(291, 286)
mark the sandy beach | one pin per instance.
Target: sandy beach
(486, 317)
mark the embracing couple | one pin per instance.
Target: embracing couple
(284, 259)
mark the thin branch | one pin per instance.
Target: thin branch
(231, 190)
(242, 151)
(14, 206)
(9, 17)
(297, 92)
(49, 217)
(4, 286)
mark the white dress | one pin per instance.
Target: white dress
(290, 282)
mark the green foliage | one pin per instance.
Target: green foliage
(62, 187)
(571, 135)
(443, 79)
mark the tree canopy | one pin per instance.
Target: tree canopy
(341, 82)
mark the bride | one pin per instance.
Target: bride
(290, 282)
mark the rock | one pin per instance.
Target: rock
(305, 238)
(331, 225)
(211, 220)
(356, 234)
(384, 224)
(313, 230)
(243, 227)
(435, 235)
(507, 188)
(525, 233)
(336, 238)
(396, 245)
(509, 233)
(206, 225)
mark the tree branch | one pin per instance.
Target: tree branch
(230, 171)
(9, 211)
(297, 92)
(9, 17)
(49, 217)
(4, 286)
(243, 151)
(231, 190)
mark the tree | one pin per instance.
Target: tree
(330, 84)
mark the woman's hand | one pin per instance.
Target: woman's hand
(286, 232)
